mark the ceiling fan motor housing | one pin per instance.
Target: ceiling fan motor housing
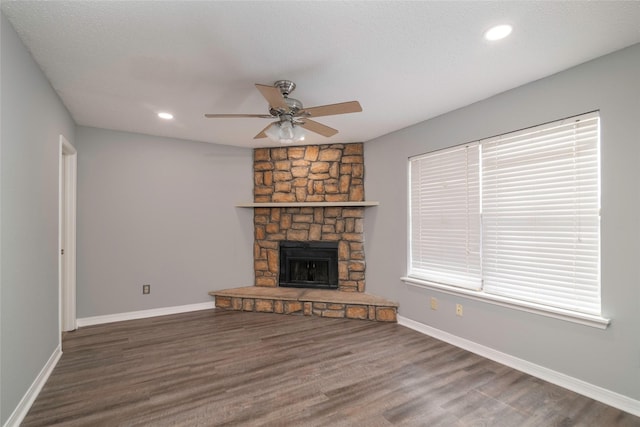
(293, 104)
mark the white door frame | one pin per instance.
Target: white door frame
(67, 235)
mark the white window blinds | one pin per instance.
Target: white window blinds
(515, 216)
(540, 206)
(445, 220)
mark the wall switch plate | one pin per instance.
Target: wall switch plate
(459, 310)
(146, 289)
(434, 303)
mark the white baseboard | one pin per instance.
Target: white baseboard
(600, 394)
(143, 314)
(18, 414)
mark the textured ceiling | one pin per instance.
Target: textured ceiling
(116, 64)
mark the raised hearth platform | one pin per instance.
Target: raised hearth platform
(309, 302)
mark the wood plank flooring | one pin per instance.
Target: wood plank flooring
(230, 368)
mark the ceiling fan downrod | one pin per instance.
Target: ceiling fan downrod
(285, 86)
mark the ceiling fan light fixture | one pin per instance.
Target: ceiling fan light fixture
(298, 133)
(285, 132)
(272, 131)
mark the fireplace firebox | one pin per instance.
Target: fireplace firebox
(309, 265)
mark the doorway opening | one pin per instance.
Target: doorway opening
(67, 235)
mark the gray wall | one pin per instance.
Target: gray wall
(608, 358)
(159, 211)
(33, 117)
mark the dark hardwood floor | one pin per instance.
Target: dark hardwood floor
(216, 368)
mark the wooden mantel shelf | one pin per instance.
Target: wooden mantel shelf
(305, 204)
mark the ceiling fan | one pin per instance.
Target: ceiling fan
(290, 115)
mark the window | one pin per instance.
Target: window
(445, 216)
(516, 216)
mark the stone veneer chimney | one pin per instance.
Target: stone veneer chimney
(313, 173)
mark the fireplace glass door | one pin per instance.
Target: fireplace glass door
(309, 264)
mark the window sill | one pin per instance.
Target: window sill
(556, 313)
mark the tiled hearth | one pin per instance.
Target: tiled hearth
(321, 192)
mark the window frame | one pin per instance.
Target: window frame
(480, 294)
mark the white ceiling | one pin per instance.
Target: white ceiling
(116, 64)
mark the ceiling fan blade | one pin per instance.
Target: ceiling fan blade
(332, 109)
(262, 134)
(273, 96)
(318, 128)
(231, 116)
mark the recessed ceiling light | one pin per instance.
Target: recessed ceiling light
(166, 116)
(498, 32)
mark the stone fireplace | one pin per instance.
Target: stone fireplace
(330, 174)
(308, 248)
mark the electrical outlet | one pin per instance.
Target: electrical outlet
(146, 289)
(434, 303)
(459, 310)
